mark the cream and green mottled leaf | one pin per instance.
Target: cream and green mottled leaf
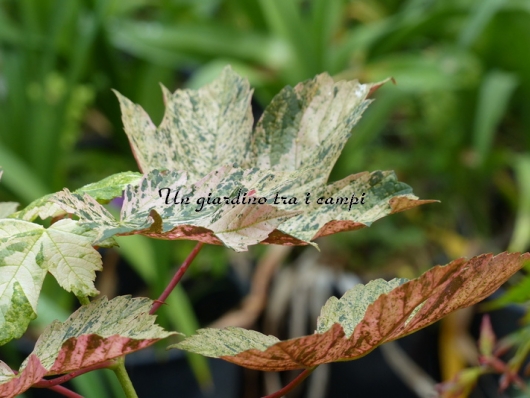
(201, 129)
(145, 209)
(308, 125)
(70, 257)
(380, 189)
(122, 316)
(98, 332)
(27, 252)
(349, 310)
(217, 343)
(103, 191)
(21, 276)
(206, 134)
(366, 316)
(151, 207)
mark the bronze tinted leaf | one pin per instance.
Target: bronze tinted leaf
(391, 310)
(100, 331)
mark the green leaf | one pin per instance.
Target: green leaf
(365, 317)
(27, 252)
(494, 98)
(521, 235)
(477, 20)
(103, 191)
(95, 333)
(110, 187)
(19, 177)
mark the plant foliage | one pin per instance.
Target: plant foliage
(365, 317)
(196, 167)
(207, 143)
(98, 332)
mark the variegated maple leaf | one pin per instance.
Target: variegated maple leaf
(207, 143)
(28, 251)
(365, 317)
(95, 333)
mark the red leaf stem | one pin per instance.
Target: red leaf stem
(63, 379)
(176, 279)
(65, 391)
(289, 387)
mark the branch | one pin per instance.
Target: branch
(65, 391)
(289, 387)
(176, 279)
(63, 379)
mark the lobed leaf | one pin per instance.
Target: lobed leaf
(150, 207)
(27, 252)
(206, 142)
(366, 316)
(384, 195)
(98, 332)
(201, 129)
(309, 124)
(95, 333)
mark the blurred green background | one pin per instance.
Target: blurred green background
(456, 126)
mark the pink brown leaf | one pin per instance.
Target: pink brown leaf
(17, 384)
(402, 311)
(91, 349)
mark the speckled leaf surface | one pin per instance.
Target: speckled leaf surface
(151, 207)
(349, 310)
(147, 210)
(103, 191)
(366, 316)
(95, 333)
(205, 132)
(27, 252)
(309, 124)
(201, 129)
(384, 195)
(103, 330)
